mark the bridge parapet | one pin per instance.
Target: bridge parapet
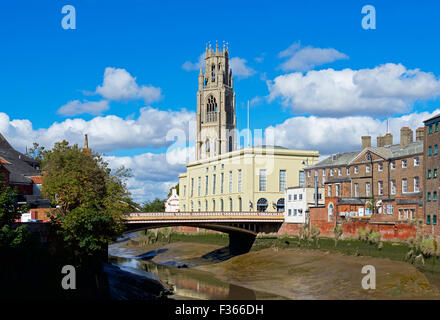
(206, 215)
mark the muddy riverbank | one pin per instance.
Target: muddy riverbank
(195, 269)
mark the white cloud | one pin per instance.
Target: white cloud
(118, 84)
(75, 107)
(303, 59)
(384, 90)
(332, 135)
(106, 134)
(238, 65)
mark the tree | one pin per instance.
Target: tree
(10, 237)
(175, 187)
(156, 205)
(36, 152)
(90, 198)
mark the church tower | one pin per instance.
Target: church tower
(216, 122)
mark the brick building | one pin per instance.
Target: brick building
(431, 166)
(382, 184)
(23, 174)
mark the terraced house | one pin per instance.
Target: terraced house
(383, 183)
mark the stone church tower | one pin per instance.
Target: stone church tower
(216, 122)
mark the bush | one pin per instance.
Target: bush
(363, 234)
(374, 237)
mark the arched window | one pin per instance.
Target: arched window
(213, 72)
(206, 205)
(280, 205)
(230, 204)
(240, 208)
(211, 109)
(261, 204)
(221, 205)
(207, 147)
(230, 143)
(192, 206)
(330, 212)
(213, 205)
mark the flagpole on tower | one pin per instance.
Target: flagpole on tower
(249, 131)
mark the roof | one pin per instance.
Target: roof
(387, 152)
(432, 118)
(18, 165)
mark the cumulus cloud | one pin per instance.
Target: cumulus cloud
(238, 65)
(76, 107)
(106, 134)
(303, 59)
(332, 135)
(383, 90)
(120, 85)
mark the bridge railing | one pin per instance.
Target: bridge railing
(211, 214)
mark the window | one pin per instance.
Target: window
(206, 186)
(339, 172)
(430, 129)
(356, 170)
(192, 187)
(337, 190)
(282, 180)
(380, 167)
(393, 187)
(367, 169)
(300, 196)
(429, 173)
(240, 205)
(316, 173)
(213, 183)
(393, 165)
(295, 211)
(416, 162)
(404, 163)
(434, 196)
(280, 205)
(356, 190)
(206, 205)
(221, 205)
(302, 179)
(295, 197)
(230, 204)
(239, 181)
(416, 184)
(390, 209)
(223, 165)
(308, 173)
(329, 190)
(331, 172)
(221, 184)
(215, 167)
(434, 219)
(330, 212)
(261, 205)
(290, 197)
(428, 220)
(367, 189)
(436, 149)
(192, 206)
(380, 187)
(436, 127)
(404, 185)
(434, 175)
(230, 181)
(289, 212)
(200, 206)
(428, 197)
(200, 185)
(263, 180)
(348, 171)
(429, 151)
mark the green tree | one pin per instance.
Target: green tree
(156, 205)
(36, 152)
(10, 237)
(90, 198)
(175, 187)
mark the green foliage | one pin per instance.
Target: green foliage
(36, 152)
(363, 234)
(10, 236)
(156, 205)
(337, 231)
(175, 187)
(91, 199)
(374, 237)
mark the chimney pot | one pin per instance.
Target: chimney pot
(366, 142)
(406, 137)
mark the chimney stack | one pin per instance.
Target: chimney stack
(366, 142)
(406, 137)
(420, 134)
(388, 139)
(380, 141)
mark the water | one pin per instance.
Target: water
(186, 283)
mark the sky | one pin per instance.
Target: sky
(127, 75)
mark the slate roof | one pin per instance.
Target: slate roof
(388, 152)
(18, 165)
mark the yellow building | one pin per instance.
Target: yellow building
(250, 179)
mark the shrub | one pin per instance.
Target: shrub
(374, 237)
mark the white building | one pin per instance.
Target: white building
(298, 201)
(172, 204)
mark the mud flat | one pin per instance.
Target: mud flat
(314, 274)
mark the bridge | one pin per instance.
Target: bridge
(242, 227)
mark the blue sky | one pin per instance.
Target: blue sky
(394, 68)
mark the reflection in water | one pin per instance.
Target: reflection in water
(189, 283)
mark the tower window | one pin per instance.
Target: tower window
(213, 72)
(211, 109)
